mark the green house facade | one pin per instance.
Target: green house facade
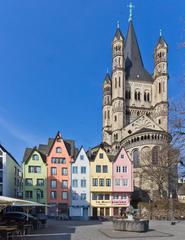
(35, 176)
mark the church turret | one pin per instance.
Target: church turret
(107, 109)
(118, 86)
(161, 82)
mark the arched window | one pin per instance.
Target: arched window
(159, 87)
(135, 95)
(119, 81)
(135, 158)
(145, 96)
(115, 118)
(115, 82)
(139, 96)
(155, 155)
(108, 114)
(148, 97)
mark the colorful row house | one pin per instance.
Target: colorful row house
(111, 183)
(47, 174)
(79, 185)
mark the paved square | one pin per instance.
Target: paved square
(96, 230)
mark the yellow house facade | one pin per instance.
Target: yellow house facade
(101, 184)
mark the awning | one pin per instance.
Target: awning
(7, 201)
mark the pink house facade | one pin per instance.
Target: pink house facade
(122, 182)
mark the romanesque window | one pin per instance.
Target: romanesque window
(155, 155)
(137, 96)
(115, 82)
(135, 158)
(108, 114)
(115, 118)
(119, 81)
(147, 97)
(128, 94)
(159, 87)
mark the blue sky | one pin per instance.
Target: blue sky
(53, 58)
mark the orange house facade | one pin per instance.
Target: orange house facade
(58, 173)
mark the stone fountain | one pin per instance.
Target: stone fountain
(131, 223)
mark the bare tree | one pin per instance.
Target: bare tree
(160, 168)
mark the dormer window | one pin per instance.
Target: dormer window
(58, 150)
(101, 155)
(35, 157)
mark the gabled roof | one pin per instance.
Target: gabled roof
(29, 151)
(107, 78)
(10, 155)
(118, 35)
(134, 66)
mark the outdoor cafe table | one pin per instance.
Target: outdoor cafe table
(5, 231)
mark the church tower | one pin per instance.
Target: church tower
(118, 87)
(160, 87)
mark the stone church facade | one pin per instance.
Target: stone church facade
(135, 102)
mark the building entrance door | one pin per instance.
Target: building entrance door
(101, 212)
(95, 212)
(85, 214)
(107, 212)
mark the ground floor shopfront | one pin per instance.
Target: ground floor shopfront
(80, 212)
(109, 204)
(58, 209)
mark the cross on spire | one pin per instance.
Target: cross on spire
(131, 7)
(118, 24)
(161, 32)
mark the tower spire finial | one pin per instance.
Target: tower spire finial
(107, 70)
(161, 32)
(131, 7)
(118, 25)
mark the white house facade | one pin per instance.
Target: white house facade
(10, 175)
(80, 187)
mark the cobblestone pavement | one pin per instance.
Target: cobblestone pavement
(94, 230)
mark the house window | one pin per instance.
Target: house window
(107, 197)
(53, 194)
(83, 196)
(95, 182)
(125, 182)
(34, 169)
(35, 157)
(75, 196)
(101, 155)
(64, 172)
(75, 183)
(117, 182)
(64, 195)
(83, 170)
(124, 196)
(98, 169)
(122, 156)
(81, 157)
(94, 196)
(105, 169)
(101, 182)
(75, 170)
(1, 163)
(100, 197)
(58, 160)
(40, 182)
(83, 183)
(108, 182)
(53, 183)
(28, 182)
(28, 194)
(118, 169)
(58, 150)
(64, 184)
(53, 171)
(115, 196)
(125, 169)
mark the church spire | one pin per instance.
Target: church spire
(134, 64)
